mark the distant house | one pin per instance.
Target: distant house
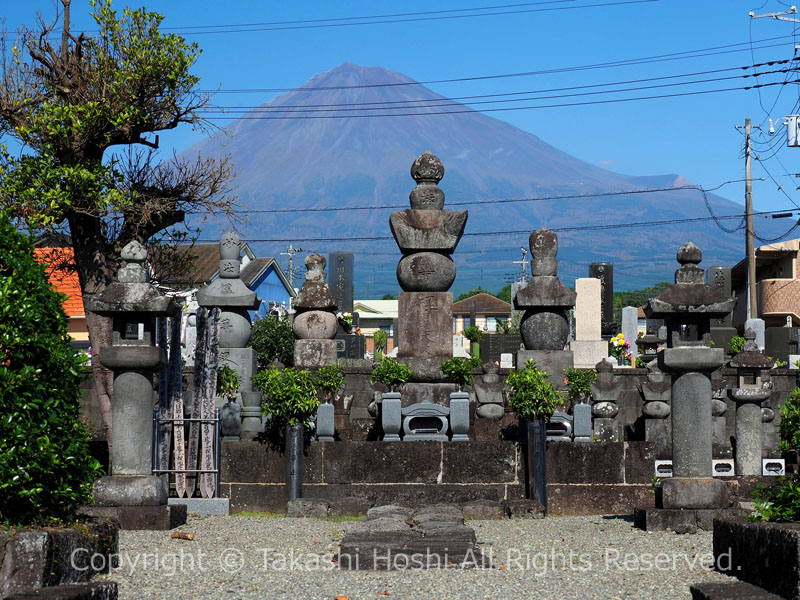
(777, 285)
(262, 275)
(484, 309)
(59, 265)
(374, 315)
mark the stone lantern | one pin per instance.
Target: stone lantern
(754, 386)
(687, 308)
(133, 305)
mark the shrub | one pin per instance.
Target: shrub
(579, 383)
(779, 503)
(459, 370)
(381, 339)
(290, 395)
(329, 380)
(473, 333)
(273, 339)
(532, 397)
(736, 344)
(46, 470)
(227, 382)
(391, 373)
(789, 427)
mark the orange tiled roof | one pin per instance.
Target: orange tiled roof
(62, 277)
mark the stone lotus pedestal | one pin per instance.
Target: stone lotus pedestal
(139, 497)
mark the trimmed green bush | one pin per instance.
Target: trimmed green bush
(329, 380)
(789, 427)
(273, 339)
(779, 503)
(289, 395)
(459, 370)
(46, 470)
(473, 333)
(391, 373)
(532, 396)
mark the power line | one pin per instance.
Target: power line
(698, 53)
(492, 201)
(445, 102)
(522, 231)
(502, 109)
(249, 29)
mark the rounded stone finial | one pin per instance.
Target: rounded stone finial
(134, 252)
(315, 263)
(689, 254)
(427, 168)
(229, 246)
(543, 243)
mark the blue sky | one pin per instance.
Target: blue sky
(692, 135)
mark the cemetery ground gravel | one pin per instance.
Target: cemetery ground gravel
(156, 566)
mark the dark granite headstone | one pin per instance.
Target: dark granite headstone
(340, 279)
(605, 273)
(495, 344)
(720, 279)
(349, 345)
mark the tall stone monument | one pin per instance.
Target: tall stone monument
(138, 496)
(234, 299)
(721, 329)
(315, 323)
(605, 273)
(545, 300)
(687, 308)
(588, 347)
(427, 235)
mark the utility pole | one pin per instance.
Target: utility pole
(750, 245)
(523, 276)
(290, 252)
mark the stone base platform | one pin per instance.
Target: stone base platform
(151, 518)
(203, 506)
(681, 520)
(737, 590)
(398, 538)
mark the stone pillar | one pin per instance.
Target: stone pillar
(234, 299)
(588, 347)
(133, 305)
(545, 300)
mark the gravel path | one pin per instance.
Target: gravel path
(558, 557)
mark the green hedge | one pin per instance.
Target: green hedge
(46, 470)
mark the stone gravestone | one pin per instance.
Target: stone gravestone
(721, 330)
(545, 300)
(605, 273)
(630, 329)
(340, 279)
(315, 323)
(234, 299)
(588, 347)
(687, 307)
(427, 235)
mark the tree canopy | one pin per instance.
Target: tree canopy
(83, 113)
